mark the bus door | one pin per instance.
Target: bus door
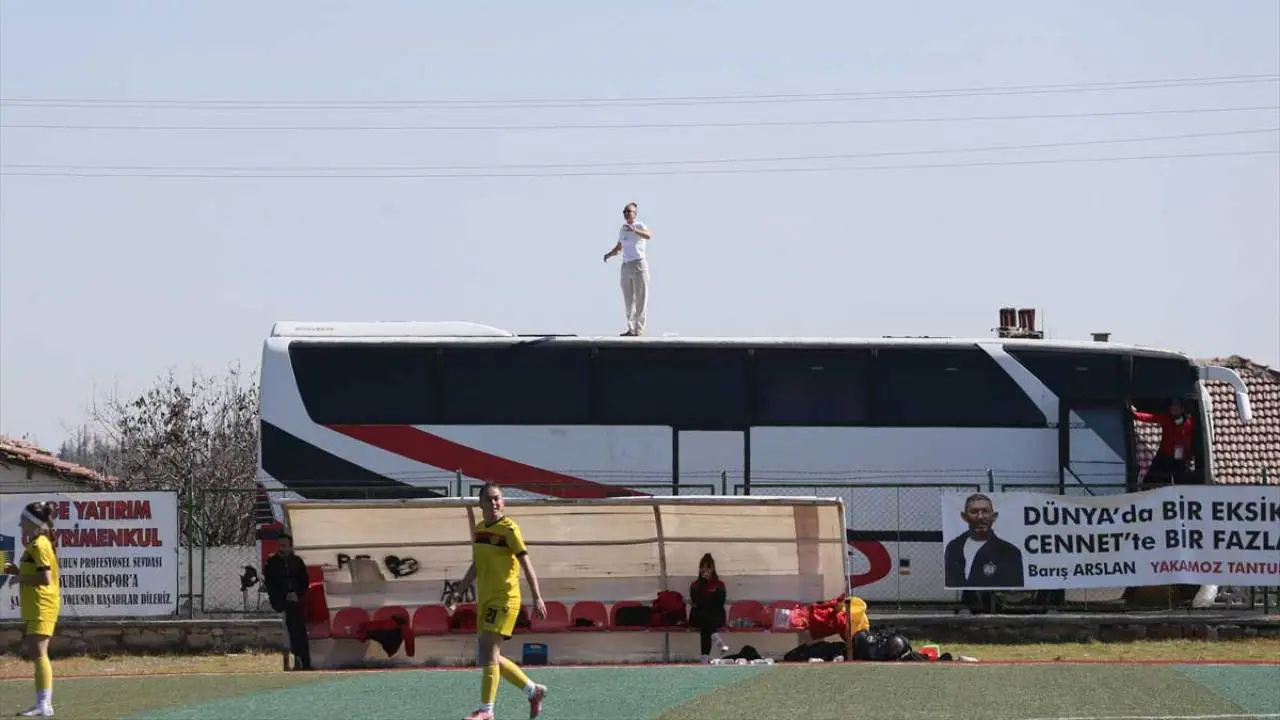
(1093, 447)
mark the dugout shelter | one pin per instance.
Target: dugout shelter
(380, 569)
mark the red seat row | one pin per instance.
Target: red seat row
(585, 616)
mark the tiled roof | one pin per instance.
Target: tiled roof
(1241, 452)
(28, 454)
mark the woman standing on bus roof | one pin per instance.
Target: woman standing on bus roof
(632, 238)
(40, 596)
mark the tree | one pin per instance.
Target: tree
(198, 438)
(85, 447)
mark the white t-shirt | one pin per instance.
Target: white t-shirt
(632, 244)
(971, 548)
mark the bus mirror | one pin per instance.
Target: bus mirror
(1242, 407)
(1217, 373)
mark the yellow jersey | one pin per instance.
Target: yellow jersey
(39, 601)
(495, 552)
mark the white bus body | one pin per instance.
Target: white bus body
(397, 409)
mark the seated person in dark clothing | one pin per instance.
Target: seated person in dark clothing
(285, 576)
(706, 612)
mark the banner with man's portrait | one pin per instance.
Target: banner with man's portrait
(1185, 534)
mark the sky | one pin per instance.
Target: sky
(893, 215)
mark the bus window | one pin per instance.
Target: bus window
(516, 385)
(1075, 375)
(811, 387)
(361, 383)
(1157, 377)
(947, 388)
(686, 388)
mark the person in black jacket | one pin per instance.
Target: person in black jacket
(706, 601)
(285, 576)
(978, 558)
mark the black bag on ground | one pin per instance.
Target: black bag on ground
(826, 651)
(887, 646)
(748, 652)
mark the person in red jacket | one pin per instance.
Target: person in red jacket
(1177, 431)
(706, 600)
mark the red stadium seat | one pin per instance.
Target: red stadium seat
(772, 608)
(589, 610)
(523, 620)
(621, 604)
(348, 621)
(557, 619)
(391, 611)
(670, 612)
(431, 620)
(752, 611)
(464, 619)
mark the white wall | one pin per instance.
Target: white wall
(17, 478)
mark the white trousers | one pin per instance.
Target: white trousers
(635, 293)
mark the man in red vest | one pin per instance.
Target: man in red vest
(1177, 432)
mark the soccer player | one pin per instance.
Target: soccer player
(497, 553)
(40, 598)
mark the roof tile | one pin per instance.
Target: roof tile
(30, 454)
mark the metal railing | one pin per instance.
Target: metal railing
(667, 489)
(220, 561)
(881, 510)
(916, 505)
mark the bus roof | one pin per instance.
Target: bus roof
(468, 333)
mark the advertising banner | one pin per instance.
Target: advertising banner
(1184, 534)
(117, 552)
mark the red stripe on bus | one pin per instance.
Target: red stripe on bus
(424, 447)
(878, 558)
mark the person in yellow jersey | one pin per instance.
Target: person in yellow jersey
(498, 553)
(40, 598)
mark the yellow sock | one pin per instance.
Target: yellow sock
(513, 674)
(489, 685)
(44, 674)
(44, 680)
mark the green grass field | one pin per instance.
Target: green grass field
(827, 690)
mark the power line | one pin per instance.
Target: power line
(529, 103)
(696, 171)
(627, 126)
(635, 163)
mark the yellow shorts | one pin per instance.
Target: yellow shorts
(498, 616)
(42, 626)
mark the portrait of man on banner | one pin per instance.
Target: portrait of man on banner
(978, 558)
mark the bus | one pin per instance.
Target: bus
(419, 409)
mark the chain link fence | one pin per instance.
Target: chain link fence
(221, 563)
(892, 528)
